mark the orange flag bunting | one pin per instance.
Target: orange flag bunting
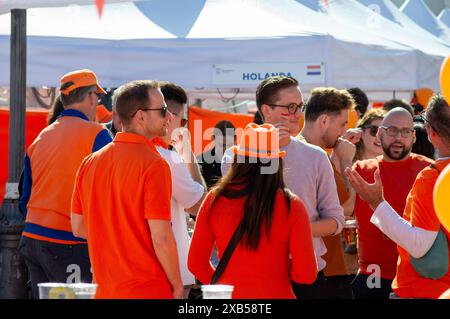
(100, 4)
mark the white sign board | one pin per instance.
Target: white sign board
(254, 73)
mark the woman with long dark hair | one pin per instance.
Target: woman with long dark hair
(276, 245)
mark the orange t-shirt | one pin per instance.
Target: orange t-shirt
(335, 251)
(374, 248)
(419, 211)
(266, 272)
(117, 190)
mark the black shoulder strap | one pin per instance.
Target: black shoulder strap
(232, 244)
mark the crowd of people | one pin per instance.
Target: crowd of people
(116, 201)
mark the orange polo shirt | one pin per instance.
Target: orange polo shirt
(397, 178)
(117, 190)
(419, 211)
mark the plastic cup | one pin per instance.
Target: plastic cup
(217, 291)
(55, 290)
(351, 223)
(84, 291)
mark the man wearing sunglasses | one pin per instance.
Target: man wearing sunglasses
(398, 168)
(188, 186)
(131, 242)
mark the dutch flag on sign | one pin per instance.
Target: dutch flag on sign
(314, 69)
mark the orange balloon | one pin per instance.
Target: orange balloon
(445, 79)
(423, 96)
(441, 195)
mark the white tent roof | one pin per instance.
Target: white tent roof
(444, 17)
(83, 22)
(418, 11)
(354, 14)
(388, 10)
(7, 5)
(150, 39)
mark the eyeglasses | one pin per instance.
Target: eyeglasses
(373, 129)
(393, 131)
(292, 107)
(422, 116)
(163, 111)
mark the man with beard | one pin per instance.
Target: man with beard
(398, 169)
(422, 267)
(326, 117)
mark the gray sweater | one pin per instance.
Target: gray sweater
(309, 175)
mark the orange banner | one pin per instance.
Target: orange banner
(36, 120)
(202, 121)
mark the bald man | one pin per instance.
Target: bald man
(398, 169)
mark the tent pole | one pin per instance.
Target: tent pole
(13, 273)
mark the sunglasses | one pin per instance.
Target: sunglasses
(373, 129)
(99, 97)
(163, 110)
(423, 117)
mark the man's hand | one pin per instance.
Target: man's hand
(344, 150)
(371, 193)
(284, 132)
(353, 135)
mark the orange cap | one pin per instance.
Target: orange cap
(80, 78)
(259, 141)
(102, 114)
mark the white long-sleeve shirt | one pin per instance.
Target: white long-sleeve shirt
(415, 240)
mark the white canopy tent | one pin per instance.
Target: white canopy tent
(444, 17)
(193, 43)
(387, 23)
(418, 11)
(7, 5)
(388, 10)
